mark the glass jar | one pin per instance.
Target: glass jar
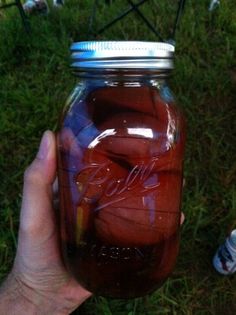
(120, 161)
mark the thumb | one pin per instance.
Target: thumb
(36, 211)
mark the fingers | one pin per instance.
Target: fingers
(182, 218)
(55, 190)
(37, 192)
(55, 186)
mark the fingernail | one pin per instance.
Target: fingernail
(44, 146)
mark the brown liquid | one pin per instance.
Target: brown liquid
(121, 272)
(120, 180)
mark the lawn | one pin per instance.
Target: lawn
(35, 79)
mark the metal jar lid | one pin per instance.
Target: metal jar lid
(122, 55)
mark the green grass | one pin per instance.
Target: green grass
(35, 79)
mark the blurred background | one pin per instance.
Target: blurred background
(35, 80)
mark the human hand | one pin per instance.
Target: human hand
(39, 283)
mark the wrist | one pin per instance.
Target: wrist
(14, 299)
(18, 297)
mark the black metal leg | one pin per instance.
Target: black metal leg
(178, 16)
(101, 30)
(135, 8)
(24, 17)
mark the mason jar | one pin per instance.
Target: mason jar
(120, 163)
